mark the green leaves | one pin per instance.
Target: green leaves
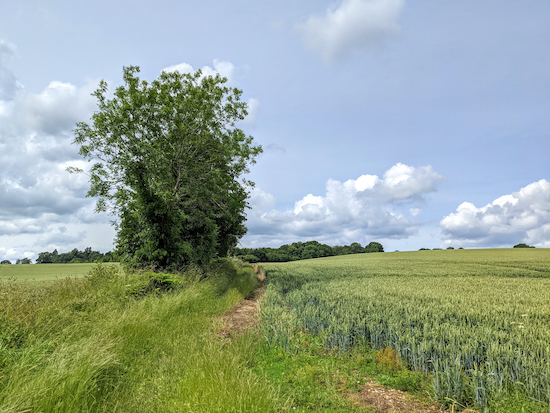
(169, 159)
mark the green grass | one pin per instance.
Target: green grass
(46, 272)
(113, 342)
(475, 320)
(315, 379)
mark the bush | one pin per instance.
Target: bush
(156, 283)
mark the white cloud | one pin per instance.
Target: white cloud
(57, 108)
(224, 68)
(354, 24)
(181, 67)
(522, 216)
(253, 112)
(356, 210)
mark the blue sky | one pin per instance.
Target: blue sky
(414, 124)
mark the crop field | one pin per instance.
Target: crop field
(477, 321)
(46, 272)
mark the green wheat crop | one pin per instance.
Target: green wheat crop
(477, 320)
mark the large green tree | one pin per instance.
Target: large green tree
(169, 162)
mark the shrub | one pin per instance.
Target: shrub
(156, 283)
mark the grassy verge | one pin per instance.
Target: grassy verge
(113, 342)
(318, 380)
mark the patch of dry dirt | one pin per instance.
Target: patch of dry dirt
(245, 314)
(386, 400)
(241, 317)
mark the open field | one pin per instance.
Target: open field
(47, 272)
(476, 320)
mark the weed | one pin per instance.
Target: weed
(388, 360)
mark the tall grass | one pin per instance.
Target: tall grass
(114, 342)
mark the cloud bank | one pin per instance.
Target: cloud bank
(359, 209)
(39, 199)
(353, 25)
(522, 216)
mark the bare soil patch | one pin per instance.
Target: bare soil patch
(387, 400)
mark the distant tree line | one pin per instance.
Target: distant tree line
(302, 251)
(18, 261)
(74, 256)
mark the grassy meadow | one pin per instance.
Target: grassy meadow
(117, 342)
(476, 322)
(47, 272)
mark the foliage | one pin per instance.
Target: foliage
(476, 320)
(74, 256)
(5, 262)
(302, 251)
(23, 261)
(374, 247)
(522, 246)
(168, 159)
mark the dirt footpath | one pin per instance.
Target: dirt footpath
(242, 316)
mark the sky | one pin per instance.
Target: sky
(414, 124)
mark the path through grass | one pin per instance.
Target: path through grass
(109, 343)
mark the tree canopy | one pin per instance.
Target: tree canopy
(168, 162)
(522, 245)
